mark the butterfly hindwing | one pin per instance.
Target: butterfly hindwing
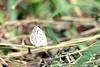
(38, 37)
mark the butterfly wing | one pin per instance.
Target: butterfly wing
(38, 37)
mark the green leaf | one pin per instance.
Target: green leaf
(61, 5)
(1, 17)
(12, 13)
(4, 50)
(93, 49)
(33, 1)
(50, 34)
(11, 33)
(82, 45)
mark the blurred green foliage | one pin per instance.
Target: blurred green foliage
(12, 13)
(51, 8)
(1, 17)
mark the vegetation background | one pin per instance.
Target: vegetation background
(72, 28)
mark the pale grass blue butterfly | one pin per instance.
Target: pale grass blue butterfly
(38, 37)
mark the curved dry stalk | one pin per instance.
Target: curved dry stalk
(90, 31)
(26, 21)
(60, 45)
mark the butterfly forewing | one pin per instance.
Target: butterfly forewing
(38, 37)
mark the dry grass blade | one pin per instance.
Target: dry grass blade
(63, 44)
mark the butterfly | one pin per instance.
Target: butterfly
(38, 37)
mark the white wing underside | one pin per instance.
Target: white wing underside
(38, 37)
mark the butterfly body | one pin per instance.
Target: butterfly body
(38, 37)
